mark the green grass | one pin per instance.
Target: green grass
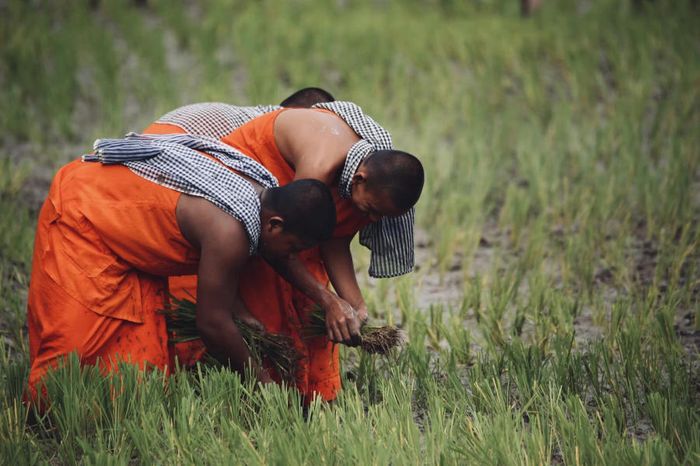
(561, 202)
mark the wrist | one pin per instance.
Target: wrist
(359, 305)
(326, 298)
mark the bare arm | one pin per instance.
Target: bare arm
(294, 271)
(223, 247)
(341, 271)
(341, 320)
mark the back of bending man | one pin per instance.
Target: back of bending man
(109, 235)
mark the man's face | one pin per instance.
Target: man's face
(373, 203)
(276, 244)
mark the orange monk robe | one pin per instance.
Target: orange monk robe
(270, 298)
(106, 239)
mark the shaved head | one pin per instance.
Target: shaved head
(396, 174)
(307, 97)
(306, 206)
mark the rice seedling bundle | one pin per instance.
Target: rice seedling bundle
(374, 339)
(277, 348)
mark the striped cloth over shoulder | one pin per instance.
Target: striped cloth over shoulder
(176, 162)
(391, 238)
(213, 119)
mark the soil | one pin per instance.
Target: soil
(446, 288)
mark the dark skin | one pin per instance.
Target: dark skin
(223, 246)
(316, 144)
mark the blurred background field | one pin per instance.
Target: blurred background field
(554, 313)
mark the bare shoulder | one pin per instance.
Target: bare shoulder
(309, 118)
(210, 229)
(314, 142)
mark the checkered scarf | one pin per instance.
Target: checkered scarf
(173, 161)
(391, 238)
(213, 119)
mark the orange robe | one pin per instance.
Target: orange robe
(270, 298)
(106, 239)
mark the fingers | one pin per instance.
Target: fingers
(335, 334)
(362, 315)
(344, 328)
(338, 332)
(346, 331)
(354, 331)
(343, 324)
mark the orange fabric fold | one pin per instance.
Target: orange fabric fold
(101, 252)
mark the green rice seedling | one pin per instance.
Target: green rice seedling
(14, 375)
(472, 297)
(12, 176)
(13, 442)
(405, 298)
(515, 211)
(435, 325)
(527, 367)
(459, 339)
(567, 366)
(502, 296)
(578, 436)
(674, 424)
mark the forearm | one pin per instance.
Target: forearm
(294, 271)
(341, 271)
(341, 319)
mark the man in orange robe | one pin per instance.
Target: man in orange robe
(108, 236)
(316, 143)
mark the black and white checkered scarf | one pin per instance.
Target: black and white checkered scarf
(389, 239)
(213, 119)
(173, 161)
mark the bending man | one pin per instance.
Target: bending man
(110, 233)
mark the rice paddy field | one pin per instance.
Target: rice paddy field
(554, 316)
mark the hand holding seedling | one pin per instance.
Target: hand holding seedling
(344, 319)
(342, 322)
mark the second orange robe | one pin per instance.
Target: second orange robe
(270, 298)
